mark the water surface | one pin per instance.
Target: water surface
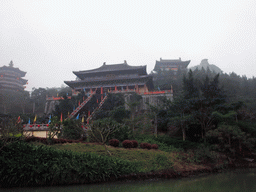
(237, 180)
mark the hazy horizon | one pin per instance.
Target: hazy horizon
(50, 39)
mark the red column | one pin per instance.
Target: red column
(101, 92)
(115, 88)
(145, 88)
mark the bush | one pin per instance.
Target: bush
(43, 165)
(72, 129)
(154, 146)
(145, 146)
(123, 132)
(113, 142)
(135, 143)
(127, 144)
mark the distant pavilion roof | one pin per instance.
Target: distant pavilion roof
(172, 62)
(17, 70)
(112, 68)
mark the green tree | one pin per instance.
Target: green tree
(72, 129)
(54, 128)
(101, 130)
(11, 130)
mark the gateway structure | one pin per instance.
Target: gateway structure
(117, 78)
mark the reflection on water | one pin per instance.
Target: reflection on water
(237, 180)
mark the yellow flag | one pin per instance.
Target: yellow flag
(83, 120)
(35, 119)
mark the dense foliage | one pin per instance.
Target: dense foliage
(23, 164)
(127, 144)
(113, 142)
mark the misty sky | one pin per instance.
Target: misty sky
(50, 39)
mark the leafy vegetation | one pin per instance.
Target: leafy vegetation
(28, 165)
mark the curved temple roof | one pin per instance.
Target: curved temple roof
(111, 68)
(17, 70)
(174, 62)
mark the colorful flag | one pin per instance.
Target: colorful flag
(29, 121)
(61, 117)
(77, 117)
(83, 119)
(18, 121)
(49, 119)
(35, 119)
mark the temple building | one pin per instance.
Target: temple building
(170, 65)
(11, 78)
(116, 78)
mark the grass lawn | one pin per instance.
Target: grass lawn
(151, 160)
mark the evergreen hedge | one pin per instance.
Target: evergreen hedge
(23, 164)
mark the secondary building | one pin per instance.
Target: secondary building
(11, 78)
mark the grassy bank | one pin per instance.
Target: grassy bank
(152, 160)
(36, 164)
(24, 164)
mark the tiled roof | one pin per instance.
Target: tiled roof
(17, 70)
(175, 62)
(112, 67)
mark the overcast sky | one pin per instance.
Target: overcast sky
(50, 39)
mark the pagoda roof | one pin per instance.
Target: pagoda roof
(122, 67)
(17, 70)
(167, 62)
(74, 84)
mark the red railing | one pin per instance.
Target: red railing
(56, 98)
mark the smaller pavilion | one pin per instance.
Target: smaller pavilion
(170, 65)
(11, 78)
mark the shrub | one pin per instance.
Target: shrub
(135, 143)
(142, 145)
(148, 146)
(163, 161)
(154, 146)
(72, 129)
(113, 142)
(145, 146)
(127, 144)
(43, 165)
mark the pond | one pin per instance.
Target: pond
(235, 180)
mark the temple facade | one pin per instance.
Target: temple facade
(170, 65)
(117, 78)
(114, 77)
(12, 78)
